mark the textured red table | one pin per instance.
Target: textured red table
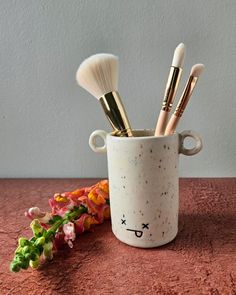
(201, 260)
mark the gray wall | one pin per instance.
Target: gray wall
(46, 119)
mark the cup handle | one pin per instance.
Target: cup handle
(93, 144)
(193, 151)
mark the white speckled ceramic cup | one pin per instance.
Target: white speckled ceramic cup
(144, 184)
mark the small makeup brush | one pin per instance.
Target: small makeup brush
(188, 90)
(171, 88)
(98, 74)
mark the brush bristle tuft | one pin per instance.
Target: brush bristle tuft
(98, 74)
(197, 70)
(178, 58)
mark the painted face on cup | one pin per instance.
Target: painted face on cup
(138, 231)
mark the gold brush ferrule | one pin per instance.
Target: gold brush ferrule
(192, 81)
(171, 88)
(115, 112)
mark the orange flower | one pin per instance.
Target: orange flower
(78, 192)
(89, 221)
(97, 198)
(103, 185)
(60, 198)
(106, 213)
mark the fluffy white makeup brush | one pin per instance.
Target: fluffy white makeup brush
(99, 74)
(171, 88)
(188, 90)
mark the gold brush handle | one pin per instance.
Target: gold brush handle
(170, 92)
(185, 96)
(174, 120)
(171, 88)
(115, 112)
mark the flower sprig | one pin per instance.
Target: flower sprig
(71, 214)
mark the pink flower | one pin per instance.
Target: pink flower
(59, 205)
(36, 213)
(69, 231)
(63, 203)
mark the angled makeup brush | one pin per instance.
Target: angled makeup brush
(98, 74)
(188, 90)
(171, 88)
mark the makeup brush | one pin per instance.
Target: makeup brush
(98, 74)
(171, 88)
(188, 90)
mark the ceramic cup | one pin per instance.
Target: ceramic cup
(144, 184)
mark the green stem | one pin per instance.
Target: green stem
(21, 261)
(70, 216)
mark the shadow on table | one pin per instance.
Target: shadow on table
(206, 231)
(70, 265)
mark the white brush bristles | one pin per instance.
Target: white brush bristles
(197, 70)
(99, 74)
(178, 57)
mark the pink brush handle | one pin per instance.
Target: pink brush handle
(161, 123)
(172, 124)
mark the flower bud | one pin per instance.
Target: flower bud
(24, 264)
(28, 256)
(34, 263)
(25, 250)
(47, 250)
(33, 256)
(40, 241)
(23, 242)
(14, 266)
(36, 227)
(35, 212)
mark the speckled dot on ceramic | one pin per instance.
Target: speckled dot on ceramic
(144, 187)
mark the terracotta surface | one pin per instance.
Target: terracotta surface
(201, 260)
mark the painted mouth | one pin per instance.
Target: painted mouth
(138, 233)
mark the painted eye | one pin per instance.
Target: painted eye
(145, 225)
(123, 221)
